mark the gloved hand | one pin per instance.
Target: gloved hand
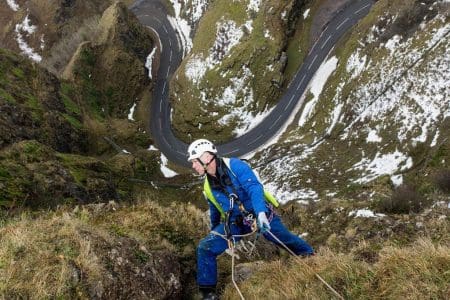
(263, 223)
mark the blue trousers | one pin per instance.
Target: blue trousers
(213, 245)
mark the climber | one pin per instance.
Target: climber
(236, 197)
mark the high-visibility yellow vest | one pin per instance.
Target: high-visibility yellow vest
(207, 191)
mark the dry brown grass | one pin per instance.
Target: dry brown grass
(420, 271)
(38, 256)
(160, 226)
(58, 254)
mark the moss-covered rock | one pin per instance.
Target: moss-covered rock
(33, 107)
(109, 71)
(34, 175)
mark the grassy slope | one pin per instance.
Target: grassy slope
(416, 272)
(53, 247)
(337, 154)
(57, 245)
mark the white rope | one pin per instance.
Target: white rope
(254, 229)
(298, 259)
(231, 245)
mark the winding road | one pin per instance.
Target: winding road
(153, 14)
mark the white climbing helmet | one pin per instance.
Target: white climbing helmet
(198, 147)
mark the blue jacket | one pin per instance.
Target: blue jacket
(248, 188)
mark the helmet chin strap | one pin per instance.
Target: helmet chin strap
(205, 165)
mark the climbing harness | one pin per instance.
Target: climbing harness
(207, 190)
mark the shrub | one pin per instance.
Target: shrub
(442, 180)
(404, 199)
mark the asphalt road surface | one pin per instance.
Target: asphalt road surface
(153, 14)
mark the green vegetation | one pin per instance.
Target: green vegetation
(87, 86)
(36, 108)
(218, 10)
(73, 121)
(79, 166)
(300, 42)
(18, 73)
(67, 94)
(6, 96)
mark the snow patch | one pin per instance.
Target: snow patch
(364, 213)
(149, 62)
(253, 5)
(131, 113)
(335, 117)
(373, 137)
(382, 164)
(436, 137)
(13, 5)
(417, 99)
(238, 98)
(285, 194)
(28, 29)
(249, 25)
(198, 8)
(196, 68)
(306, 13)
(164, 169)
(356, 64)
(194, 11)
(228, 35)
(181, 26)
(42, 42)
(393, 43)
(397, 180)
(316, 86)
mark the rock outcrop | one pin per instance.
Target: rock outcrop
(110, 70)
(35, 105)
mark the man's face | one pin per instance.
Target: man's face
(205, 158)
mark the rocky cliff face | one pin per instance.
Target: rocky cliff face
(48, 31)
(110, 70)
(35, 105)
(49, 126)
